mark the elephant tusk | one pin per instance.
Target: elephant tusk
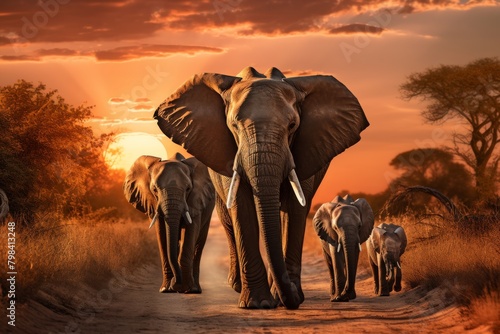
(399, 266)
(155, 217)
(233, 189)
(297, 189)
(360, 247)
(188, 217)
(338, 248)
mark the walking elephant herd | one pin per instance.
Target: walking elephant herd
(261, 145)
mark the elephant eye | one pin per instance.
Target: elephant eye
(292, 125)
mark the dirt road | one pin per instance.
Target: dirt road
(131, 304)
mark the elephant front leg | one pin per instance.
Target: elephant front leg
(200, 244)
(340, 274)
(294, 220)
(397, 284)
(187, 256)
(233, 278)
(329, 264)
(384, 290)
(376, 283)
(167, 273)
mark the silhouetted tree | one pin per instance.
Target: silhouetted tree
(49, 158)
(471, 95)
(434, 168)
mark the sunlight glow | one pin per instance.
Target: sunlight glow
(128, 146)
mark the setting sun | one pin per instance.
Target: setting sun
(127, 147)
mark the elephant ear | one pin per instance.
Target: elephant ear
(322, 223)
(194, 117)
(331, 120)
(137, 185)
(203, 191)
(400, 232)
(367, 218)
(179, 157)
(376, 235)
(274, 73)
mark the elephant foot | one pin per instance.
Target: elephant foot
(193, 290)
(351, 295)
(397, 288)
(176, 287)
(339, 299)
(256, 300)
(385, 294)
(234, 282)
(298, 288)
(166, 287)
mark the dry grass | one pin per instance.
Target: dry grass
(78, 251)
(464, 262)
(485, 310)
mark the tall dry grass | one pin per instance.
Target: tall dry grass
(75, 252)
(465, 261)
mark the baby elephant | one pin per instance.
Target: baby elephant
(385, 246)
(343, 225)
(179, 194)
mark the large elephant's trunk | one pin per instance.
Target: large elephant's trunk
(172, 208)
(350, 242)
(266, 171)
(268, 215)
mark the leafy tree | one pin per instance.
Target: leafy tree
(469, 94)
(434, 168)
(49, 158)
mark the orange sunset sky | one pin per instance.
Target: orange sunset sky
(126, 56)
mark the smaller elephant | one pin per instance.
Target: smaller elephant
(179, 193)
(343, 225)
(385, 246)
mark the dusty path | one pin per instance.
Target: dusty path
(133, 305)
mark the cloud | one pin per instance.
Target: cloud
(121, 122)
(142, 108)
(143, 99)
(299, 73)
(117, 101)
(150, 50)
(19, 58)
(356, 28)
(57, 52)
(55, 21)
(117, 54)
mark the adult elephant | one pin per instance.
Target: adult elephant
(343, 225)
(257, 132)
(179, 193)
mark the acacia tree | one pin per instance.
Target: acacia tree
(50, 158)
(471, 95)
(434, 168)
